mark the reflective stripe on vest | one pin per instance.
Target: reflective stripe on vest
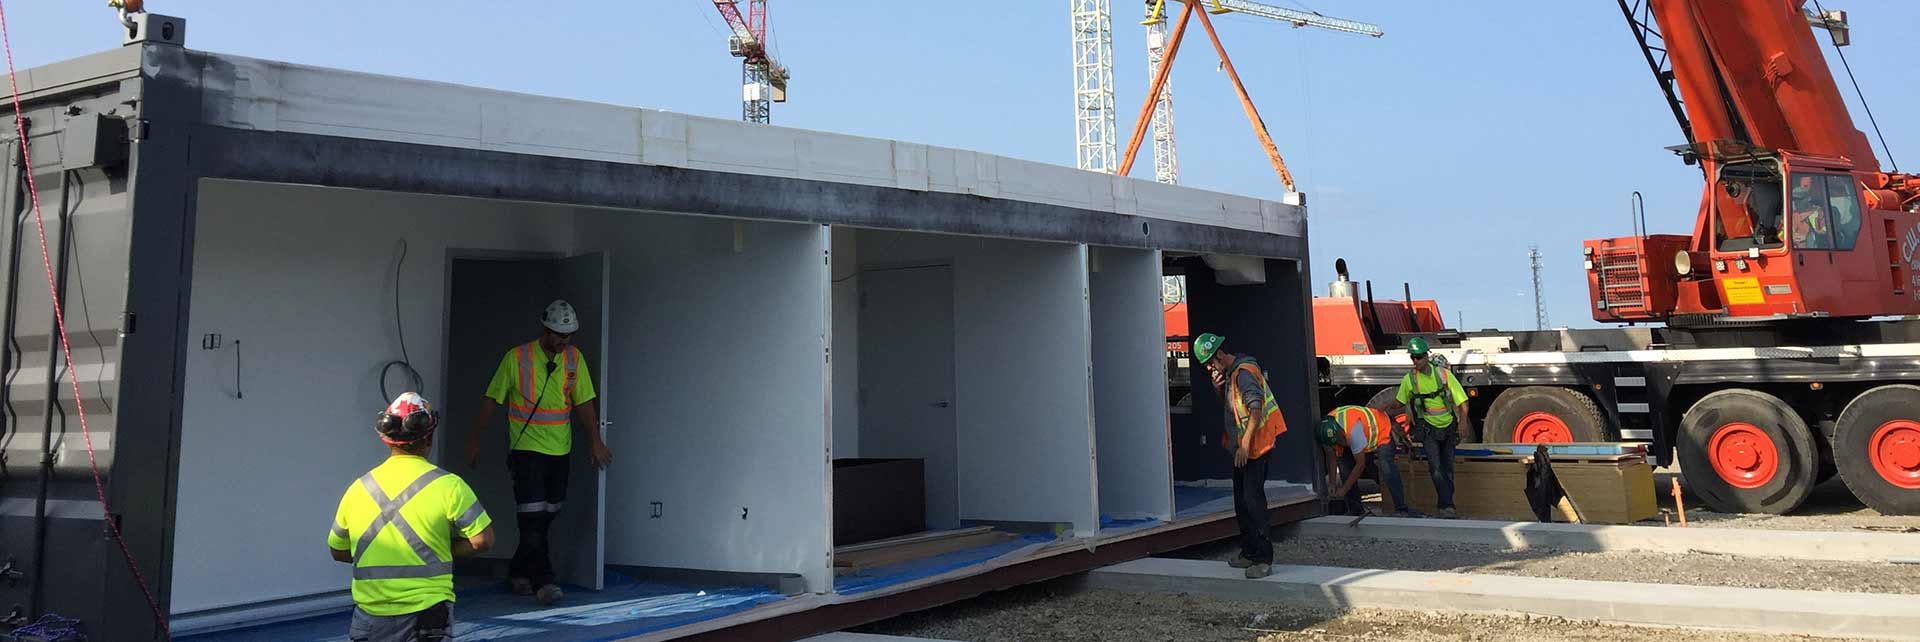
(520, 408)
(1369, 424)
(1259, 434)
(1440, 379)
(431, 565)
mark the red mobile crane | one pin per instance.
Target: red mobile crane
(1786, 354)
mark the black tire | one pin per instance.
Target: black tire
(1769, 456)
(1876, 444)
(1576, 412)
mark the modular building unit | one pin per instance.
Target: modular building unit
(246, 249)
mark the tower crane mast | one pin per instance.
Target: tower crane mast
(763, 81)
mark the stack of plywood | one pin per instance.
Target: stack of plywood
(1490, 482)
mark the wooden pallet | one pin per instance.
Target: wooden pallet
(1601, 492)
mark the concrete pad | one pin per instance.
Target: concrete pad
(1893, 617)
(1806, 545)
(844, 636)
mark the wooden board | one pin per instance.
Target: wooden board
(917, 550)
(910, 539)
(1604, 492)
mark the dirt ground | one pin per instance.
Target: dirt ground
(1698, 569)
(1056, 612)
(1831, 507)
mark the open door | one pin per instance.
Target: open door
(494, 303)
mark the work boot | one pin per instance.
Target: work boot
(521, 586)
(548, 594)
(1448, 513)
(1258, 571)
(1239, 560)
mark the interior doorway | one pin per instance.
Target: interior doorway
(494, 303)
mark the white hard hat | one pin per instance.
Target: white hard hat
(560, 317)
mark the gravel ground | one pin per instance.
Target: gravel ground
(1055, 612)
(1831, 507)
(1698, 569)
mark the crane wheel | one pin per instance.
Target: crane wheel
(1545, 414)
(1876, 443)
(1746, 451)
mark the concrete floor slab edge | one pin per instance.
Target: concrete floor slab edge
(1892, 617)
(1806, 545)
(844, 636)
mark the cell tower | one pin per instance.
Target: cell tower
(1539, 296)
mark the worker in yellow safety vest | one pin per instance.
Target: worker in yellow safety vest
(1353, 435)
(400, 526)
(1436, 415)
(1253, 422)
(542, 383)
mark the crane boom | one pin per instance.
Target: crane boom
(1297, 18)
(1797, 219)
(1166, 163)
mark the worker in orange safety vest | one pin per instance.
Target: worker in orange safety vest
(543, 383)
(1253, 422)
(1353, 436)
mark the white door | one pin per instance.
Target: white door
(907, 403)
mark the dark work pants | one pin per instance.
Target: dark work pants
(539, 488)
(1250, 510)
(1383, 469)
(432, 625)
(1438, 444)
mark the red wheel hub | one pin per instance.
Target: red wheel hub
(1895, 452)
(1744, 456)
(1541, 427)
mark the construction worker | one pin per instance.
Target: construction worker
(1437, 417)
(542, 383)
(1809, 223)
(400, 526)
(1352, 435)
(1253, 422)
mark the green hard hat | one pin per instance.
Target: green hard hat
(1417, 346)
(1206, 344)
(1328, 432)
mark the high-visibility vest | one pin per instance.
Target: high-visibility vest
(402, 543)
(1257, 439)
(552, 412)
(1436, 405)
(1372, 424)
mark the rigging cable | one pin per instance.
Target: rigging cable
(1863, 98)
(60, 324)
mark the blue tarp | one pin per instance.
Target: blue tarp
(627, 607)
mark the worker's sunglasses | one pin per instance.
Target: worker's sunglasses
(1419, 357)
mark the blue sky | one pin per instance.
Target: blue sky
(1436, 154)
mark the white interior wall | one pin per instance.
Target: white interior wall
(298, 281)
(1022, 348)
(721, 415)
(1129, 384)
(846, 344)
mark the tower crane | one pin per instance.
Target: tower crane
(1166, 163)
(763, 81)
